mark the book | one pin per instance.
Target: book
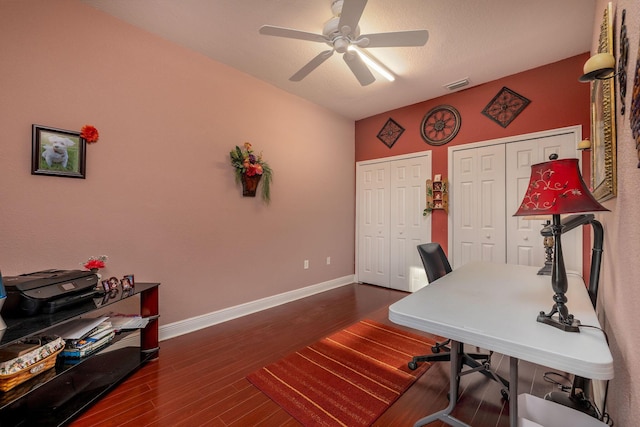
(87, 347)
(77, 328)
(97, 333)
(127, 321)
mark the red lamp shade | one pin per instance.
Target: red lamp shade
(557, 187)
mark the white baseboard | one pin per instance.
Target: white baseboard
(203, 321)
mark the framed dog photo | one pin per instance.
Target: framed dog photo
(58, 152)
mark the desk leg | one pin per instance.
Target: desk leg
(444, 415)
(513, 391)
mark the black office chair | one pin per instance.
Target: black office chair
(436, 265)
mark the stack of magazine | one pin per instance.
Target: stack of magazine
(89, 343)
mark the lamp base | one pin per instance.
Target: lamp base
(573, 402)
(552, 321)
(546, 269)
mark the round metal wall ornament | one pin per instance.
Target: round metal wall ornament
(440, 125)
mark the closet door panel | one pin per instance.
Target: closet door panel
(409, 227)
(478, 199)
(464, 200)
(524, 242)
(373, 221)
(491, 204)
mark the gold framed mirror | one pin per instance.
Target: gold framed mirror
(603, 122)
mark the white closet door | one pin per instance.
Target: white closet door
(373, 223)
(478, 198)
(524, 242)
(408, 227)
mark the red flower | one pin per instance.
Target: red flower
(89, 133)
(94, 263)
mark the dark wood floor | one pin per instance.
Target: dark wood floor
(199, 378)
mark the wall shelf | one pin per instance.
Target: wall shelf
(437, 196)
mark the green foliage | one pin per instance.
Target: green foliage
(246, 162)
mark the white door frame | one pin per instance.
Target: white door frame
(576, 130)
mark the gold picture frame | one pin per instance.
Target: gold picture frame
(603, 122)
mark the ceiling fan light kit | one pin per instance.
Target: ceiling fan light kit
(373, 63)
(342, 34)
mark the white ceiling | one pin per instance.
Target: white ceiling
(482, 40)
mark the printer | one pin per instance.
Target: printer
(47, 291)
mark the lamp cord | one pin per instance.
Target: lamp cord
(602, 416)
(547, 376)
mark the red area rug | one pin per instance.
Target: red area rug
(347, 379)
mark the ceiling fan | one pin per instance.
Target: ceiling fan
(342, 34)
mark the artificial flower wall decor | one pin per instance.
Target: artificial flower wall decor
(250, 169)
(89, 133)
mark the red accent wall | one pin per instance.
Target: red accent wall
(557, 100)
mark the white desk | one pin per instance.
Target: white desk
(494, 306)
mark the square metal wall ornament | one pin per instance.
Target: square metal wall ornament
(505, 106)
(390, 132)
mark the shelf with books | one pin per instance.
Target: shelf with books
(56, 397)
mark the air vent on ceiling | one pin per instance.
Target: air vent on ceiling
(458, 84)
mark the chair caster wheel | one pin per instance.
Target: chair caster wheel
(505, 394)
(413, 366)
(435, 349)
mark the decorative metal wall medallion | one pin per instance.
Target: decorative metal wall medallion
(440, 125)
(390, 132)
(505, 107)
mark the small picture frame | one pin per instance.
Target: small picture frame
(57, 152)
(127, 282)
(437, 177)
(106, 286)
(113, 284)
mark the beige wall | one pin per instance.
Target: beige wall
(619, 295)
(160, 198)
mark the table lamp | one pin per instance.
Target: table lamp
(556, 187)
(547, 243)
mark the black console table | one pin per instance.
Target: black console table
(55, 397)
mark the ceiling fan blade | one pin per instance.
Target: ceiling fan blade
(395, 39)
(270, 30)
(350, 15)
(311, 65)
(359, 68)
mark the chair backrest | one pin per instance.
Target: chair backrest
(434, 260)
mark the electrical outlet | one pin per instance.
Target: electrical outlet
(328, 260)
(306, 264)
